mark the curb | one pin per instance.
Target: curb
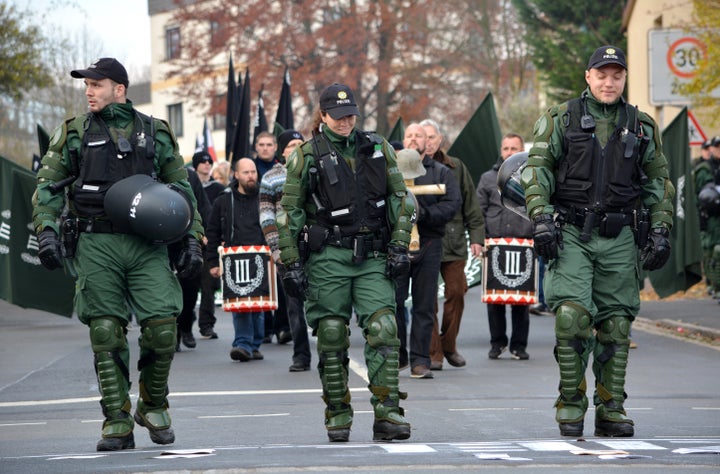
(682, 330)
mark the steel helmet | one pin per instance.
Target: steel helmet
(512, 194)
(140, 205)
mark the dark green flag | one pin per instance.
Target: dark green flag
(683, 268)
(397, 134)
(23, 280)
(43, 140)
(478, 144)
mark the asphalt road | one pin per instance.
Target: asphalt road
(228, 416)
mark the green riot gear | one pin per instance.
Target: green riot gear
(332, 345)
(157, 348)
(108, 341)
(609, 367)
(381, 356)
(573, 346)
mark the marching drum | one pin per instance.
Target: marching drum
(249, 279)
(510, 273)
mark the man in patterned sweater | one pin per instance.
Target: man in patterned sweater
(271, 191)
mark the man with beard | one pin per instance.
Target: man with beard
(235, 221)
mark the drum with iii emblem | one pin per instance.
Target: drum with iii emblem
(510, 272)
(249, 279)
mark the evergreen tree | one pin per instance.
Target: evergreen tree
(562, 35)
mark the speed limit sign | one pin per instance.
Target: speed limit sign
(674, 58)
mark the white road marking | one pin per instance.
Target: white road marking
(24, 423)
(401, 448)
(628, 444)
(548, 445)
(256, 415)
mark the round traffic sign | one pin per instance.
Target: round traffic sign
(683, 56)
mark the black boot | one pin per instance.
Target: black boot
(117, 443)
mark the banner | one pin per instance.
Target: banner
(284, 117)
(241, 141)
(23, 280)
(232, 104)
(683, 269)
(478, 144)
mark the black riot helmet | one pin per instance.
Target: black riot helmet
(512, 194)
(709, 199)
(140, 205)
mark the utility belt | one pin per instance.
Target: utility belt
(96, 226)
(71, 227)
(317, 236)
(609, 224)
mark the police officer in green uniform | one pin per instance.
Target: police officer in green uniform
(596, 173)
(118, 246)
(706, 177)
(344, 232)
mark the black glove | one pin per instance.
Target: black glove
(49, 249)
(398, 262)
(295, 281)
(657, 250)
(547, 237)
(190, 259)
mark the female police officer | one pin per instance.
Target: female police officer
(346, 201)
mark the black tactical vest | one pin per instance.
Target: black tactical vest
(105, 159)
(604, 179)
(352, 200)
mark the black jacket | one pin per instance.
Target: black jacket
(436, 210)
(235, 220)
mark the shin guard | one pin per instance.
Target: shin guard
(333, 341)
(157, 348)
(572, 350)
(610, 366)
(111, 357)
(381, 357)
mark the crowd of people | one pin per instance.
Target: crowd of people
(357, 227)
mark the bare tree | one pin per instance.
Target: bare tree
(408, 58)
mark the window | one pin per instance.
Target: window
(217, 34)
(219, 112)
(175, 117)
(172, 43)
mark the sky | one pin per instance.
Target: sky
(117, 28)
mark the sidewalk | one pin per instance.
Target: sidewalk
(697, 318)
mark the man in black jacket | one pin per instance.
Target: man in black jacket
(434, 211)
(502, 222)
(235, 221)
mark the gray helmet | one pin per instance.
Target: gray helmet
(512, 194)
(709, 199)
(140, 205)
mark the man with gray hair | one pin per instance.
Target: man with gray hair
(467, 223)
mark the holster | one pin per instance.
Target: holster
(611, 224)
(69, 236)
(642, 230)
(317, 237)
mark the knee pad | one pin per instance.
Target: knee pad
(614, 330)
(332, 335)
(572, 322)
(159, 335)
(381, 330)
(107, 334)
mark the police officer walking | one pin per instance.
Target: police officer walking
(595, 173)
(346, 202)
(117, 236)
(706, 176)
